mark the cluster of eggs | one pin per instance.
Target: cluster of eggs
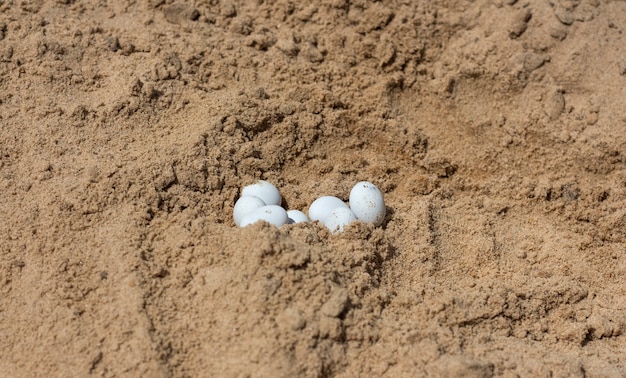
(261, 202)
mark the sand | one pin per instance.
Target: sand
(495, 128)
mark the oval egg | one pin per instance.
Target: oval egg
(367, 203)
(339, 218)
(246, 205)
(296, 216)
(323, 206)
(263, 190)
(271, 214)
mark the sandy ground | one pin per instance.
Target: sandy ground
(495, 128)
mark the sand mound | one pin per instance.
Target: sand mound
(496, 130)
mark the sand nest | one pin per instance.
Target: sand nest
(495, 128)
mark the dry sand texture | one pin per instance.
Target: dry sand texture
(495, 128)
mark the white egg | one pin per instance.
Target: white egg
(272, 214)
(296, 216)
(265, 191)
(322, 207)
(246, 205)
(367, 203)
(338, 219)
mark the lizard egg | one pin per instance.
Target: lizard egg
(246, 205)
(338, 218)
(367, 203)
(265, 191)
(296, 216)
(271, 214)
(322, 207)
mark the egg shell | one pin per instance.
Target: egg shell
(296, 216)
(339, 218)
(367, 203)
(272, 214)
(246, 205)
(265, 191)
(322, 207)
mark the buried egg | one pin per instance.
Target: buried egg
(271, 214)
(323, 206)
(246, 205)
(367, 203)
(265, 191)
(296, 216)
(338, 219)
